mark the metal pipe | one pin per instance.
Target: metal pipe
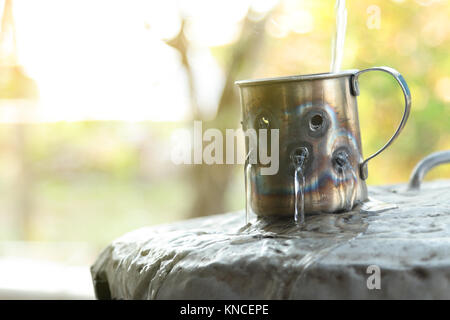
(425, 165)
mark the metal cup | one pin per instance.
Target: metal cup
(317, 118)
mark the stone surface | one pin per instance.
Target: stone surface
(218, 257)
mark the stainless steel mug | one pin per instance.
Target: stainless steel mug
(320, 155)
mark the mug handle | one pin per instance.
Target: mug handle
(401, 81)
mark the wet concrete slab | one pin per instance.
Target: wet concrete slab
(333, 257)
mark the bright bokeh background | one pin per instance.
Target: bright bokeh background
(88, 159)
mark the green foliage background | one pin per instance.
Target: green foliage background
(93, 181)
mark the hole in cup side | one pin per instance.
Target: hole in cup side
(341, 159)
(294, 154)
(299, 156)
(264, 120)
(316, 122)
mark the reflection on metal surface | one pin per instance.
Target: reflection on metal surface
(316, 113)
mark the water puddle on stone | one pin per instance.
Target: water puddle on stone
(319, 236)
(373, 206)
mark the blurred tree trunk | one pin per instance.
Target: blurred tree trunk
(23, 185)
(210, 182)
(18, 90)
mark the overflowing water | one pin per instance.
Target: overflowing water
(247, 172)
(346, 177)
(319, 237)
(299, 183)
(299, 160)
(346, 180)
(337, 47)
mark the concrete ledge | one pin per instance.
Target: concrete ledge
(218, 258)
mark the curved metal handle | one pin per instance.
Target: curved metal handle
(425, 165)
(401, 81)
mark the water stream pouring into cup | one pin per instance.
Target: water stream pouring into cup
(337, 47)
